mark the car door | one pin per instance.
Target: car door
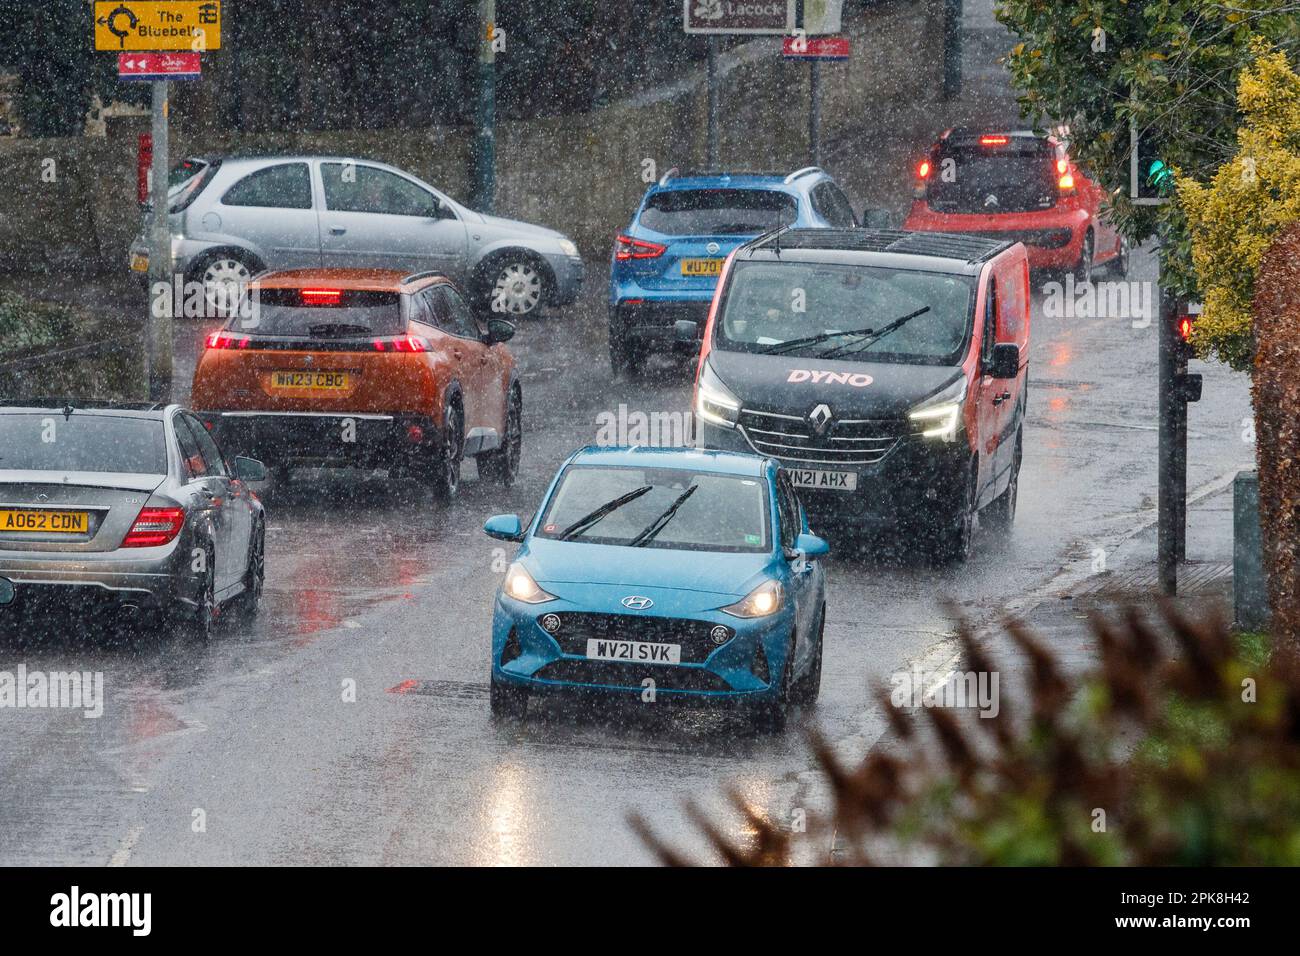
(801, 572)
(272, 209)
(479, 366)
(996, 396)
(206, 500)
(374, 218)
(232, 507)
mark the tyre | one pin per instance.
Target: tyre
(502, 464)
(199, 622)
(507, 703)
(254, 577)
(514, 284)
(224, 276)
(1119, 265)
(949, 539)
(442, 468)
(622, 353)
(1000, 513)
(1083, 268)
(770, 716)
(809, 685)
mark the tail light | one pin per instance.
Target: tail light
(322, 296)
(922, 174)
(1066, 183)
(625, 247)
(993, 140)
(403, 343)
(154, 526)
(224, 340)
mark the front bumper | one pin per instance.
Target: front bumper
(525, 655)
(916, 476)
(360, 439)
(569, 272)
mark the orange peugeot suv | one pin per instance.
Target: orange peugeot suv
(371, 368)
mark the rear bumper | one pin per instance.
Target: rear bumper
(1053, 239)
(363, 439)
(655, 321)
(151, 579)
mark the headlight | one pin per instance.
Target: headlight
(941, 414)
(714, 402)
(765, 599)
(521, 586)
(568, 248)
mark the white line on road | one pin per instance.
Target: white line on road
(123, 854)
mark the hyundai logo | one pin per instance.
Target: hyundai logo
(550, 623)
(637, 603)
(720, 634)
(820, 418)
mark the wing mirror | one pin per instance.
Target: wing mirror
(877, 217)
(499, 330)
(504, 528)
(808, 546)
(249, 469)
(1005, 361)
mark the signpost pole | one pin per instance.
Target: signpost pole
(713, 160)
(1167, 458)
(159, 353)
(485, 161)
(815, 112)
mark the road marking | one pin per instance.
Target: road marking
(123, 854)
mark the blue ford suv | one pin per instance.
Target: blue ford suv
(666, 265)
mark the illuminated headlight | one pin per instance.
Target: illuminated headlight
(568, 248)
(941, 414)
(765, 599)
(521, 586)
(714, 402)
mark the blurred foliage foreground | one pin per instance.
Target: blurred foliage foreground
(1181, 748)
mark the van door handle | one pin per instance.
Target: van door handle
(337, 230)
(1004, 397)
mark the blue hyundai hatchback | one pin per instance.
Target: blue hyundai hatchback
(664, 574)
(666, 265)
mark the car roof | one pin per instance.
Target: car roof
(354, 280)
(687, 459)
(739, 179)
(888, 248)
(52, 406)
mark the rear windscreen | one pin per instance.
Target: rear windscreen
(49, 441)
(717, 212)
(322, 313)
(187, 180)
(1018, 176)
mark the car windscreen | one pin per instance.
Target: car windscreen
(723, 513)
(321, 313)
(769, 304)
(51, 441)
(1018, 176)
(717, 212)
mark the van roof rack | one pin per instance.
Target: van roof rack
(940, 245)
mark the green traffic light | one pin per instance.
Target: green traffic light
(1159, 175)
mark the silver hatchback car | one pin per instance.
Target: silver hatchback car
(234, 217)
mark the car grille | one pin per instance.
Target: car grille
(694, 636)
(609, 673)
(846, 442)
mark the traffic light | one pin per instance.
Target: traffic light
(1151, 178)
(1187, 386)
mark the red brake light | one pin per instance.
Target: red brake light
(1062, 165)
(1066, 183)
(403, 343)
(924, 169)
(322, 296)
(223, 340)
(993, 140)
(154, 526)
(625, 247)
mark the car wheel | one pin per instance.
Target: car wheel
(1000, 514)
(255, 576)
(502, 464)
(516, 286)
(950, 541)
(771, 716)
(1083, 269)
(810, 684)
(443, 474)
(224, 276)
(1119, 265)
(200, 621)
(507, 703)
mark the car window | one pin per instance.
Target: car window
(353, 188)
(788, 506)
(422, 309)
(191, 454)
(454, 315)
(990, 321)
(52, 441)
(216, 465)
(837, 210)
(1017, 175)
(287, 186)
(717, 212)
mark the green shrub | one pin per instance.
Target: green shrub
(27, 325)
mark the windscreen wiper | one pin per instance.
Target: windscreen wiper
(587, 520)
(646, 536)
(893, 326)
(782, 347)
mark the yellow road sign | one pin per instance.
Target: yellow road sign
(134, 25)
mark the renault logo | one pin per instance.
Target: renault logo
(820, 418)
(637, 603)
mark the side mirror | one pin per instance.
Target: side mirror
(687, 330)
(504, 528)
(876, 217)
(249, 469)
(1005, 362)
(7, 592)
(499, 330)
(811, 545)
